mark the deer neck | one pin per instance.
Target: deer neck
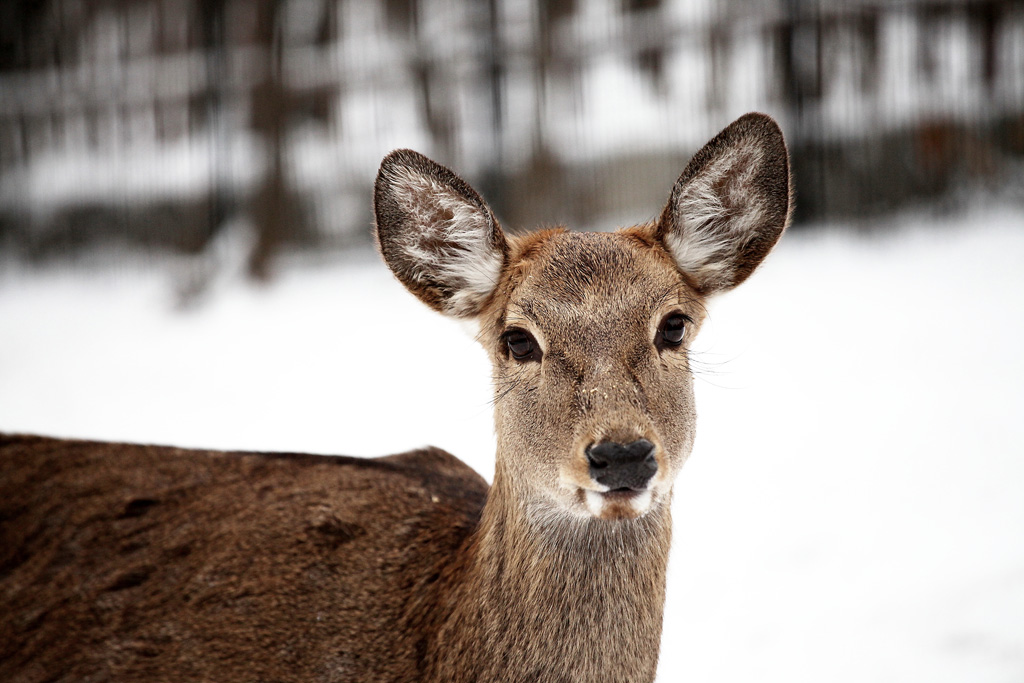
(543, 596)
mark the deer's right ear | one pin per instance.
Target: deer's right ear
(436, 234)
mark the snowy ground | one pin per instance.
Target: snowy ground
(853, 510)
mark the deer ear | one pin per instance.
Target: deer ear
(436, 234)
(730, 205)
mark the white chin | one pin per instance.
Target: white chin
(617, 505)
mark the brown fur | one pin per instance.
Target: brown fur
(142, 563)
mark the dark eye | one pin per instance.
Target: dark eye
(672, 330)
(521, 345)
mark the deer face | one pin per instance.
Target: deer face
(588, 333)
(593, 392)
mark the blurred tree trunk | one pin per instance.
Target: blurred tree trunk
(211, 18)
(274, 206)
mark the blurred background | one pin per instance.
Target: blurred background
(186, 258)
(160, 124)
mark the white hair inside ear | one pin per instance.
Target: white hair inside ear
(730, 205)
(719, 213)
(448, 240)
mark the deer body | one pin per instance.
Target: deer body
(129, 563)
(124, 562)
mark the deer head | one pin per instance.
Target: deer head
(589, 333)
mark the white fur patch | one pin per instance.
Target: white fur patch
(595, 503)
(711, 229)
(452, 242)
(640, 503)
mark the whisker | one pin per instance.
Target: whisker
(506, 386)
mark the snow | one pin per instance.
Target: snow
(853, 510)
(854, 507)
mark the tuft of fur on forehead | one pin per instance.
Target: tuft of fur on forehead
(581, 265)
(731, 204)
(437, 234)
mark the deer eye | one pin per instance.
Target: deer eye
(672, 330)
(521, 345)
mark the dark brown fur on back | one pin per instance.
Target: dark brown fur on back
(261, 566)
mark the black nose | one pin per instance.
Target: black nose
(619, 466)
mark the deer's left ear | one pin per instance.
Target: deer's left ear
(730, 205)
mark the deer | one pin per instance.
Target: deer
(124, 562)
